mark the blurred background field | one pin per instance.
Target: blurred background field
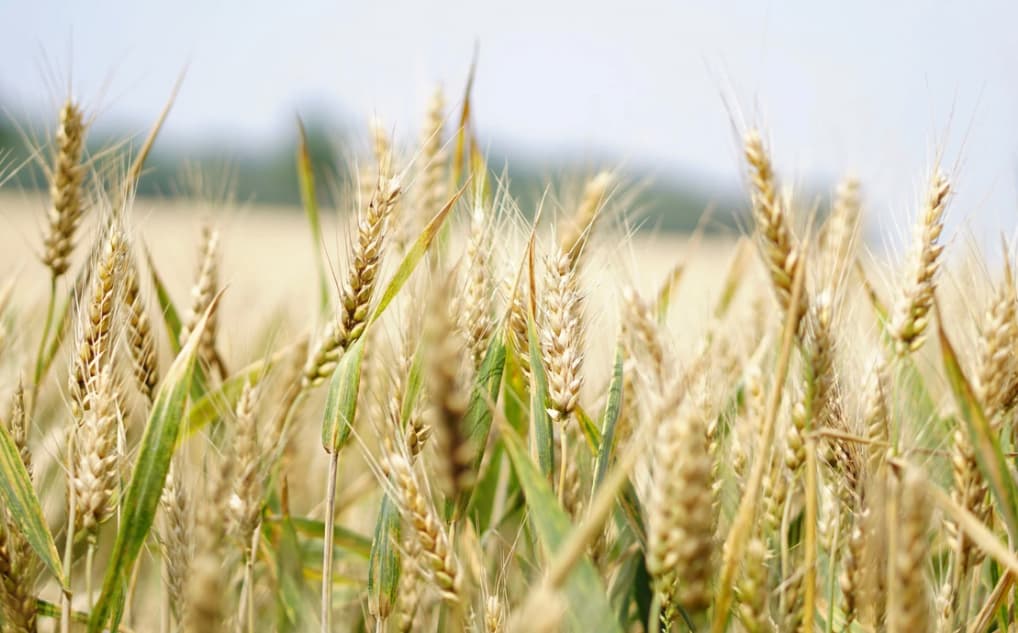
(653, 90)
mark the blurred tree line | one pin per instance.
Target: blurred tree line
(268, 175)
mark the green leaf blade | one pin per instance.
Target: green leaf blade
(985, 443)
(543, 438)
(589, 608)
(612, 411)
(23, 505)
(414, 256)
(341, 401)
(141, 500)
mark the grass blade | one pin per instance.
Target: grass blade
(291, 601)
(384, 566)
(341, 402)
(612, 409)
(987, 447)
(343, 538)
(488, 382)
(309, 199)
(148, 477)
(589, 607)
(224, 398)
(463, 135)
(415, 254)
(171, 317)
(23, 505)
(413, 388)
(541, 431)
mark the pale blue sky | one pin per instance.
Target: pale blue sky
(874, 87)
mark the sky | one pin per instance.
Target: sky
(876, 89)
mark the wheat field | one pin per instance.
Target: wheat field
(416, 407)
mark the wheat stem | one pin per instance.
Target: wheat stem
(327, 554)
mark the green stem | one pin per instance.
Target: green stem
(89, 560)
(832, 574)
(654, 621)
(47, 325)
(249, 557)
(65, 606)
(330, 521)
(164, 623)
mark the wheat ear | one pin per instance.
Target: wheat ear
(574, 238)
(356, 294)
(911, 314)
(475, 320)
(777, 243)
(95, 340)
(95, 472)
(909, 606)
(205, 590)
(66, 178)
(447, 395)
(16, 595)
(841, 232)
(562, 337)
(432, 159)
(437, 560)
(997, 370)
(205, 287)
(141, 344)
(17, 560)
(176, 535)
(680, 514)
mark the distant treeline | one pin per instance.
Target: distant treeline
(268, 176)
